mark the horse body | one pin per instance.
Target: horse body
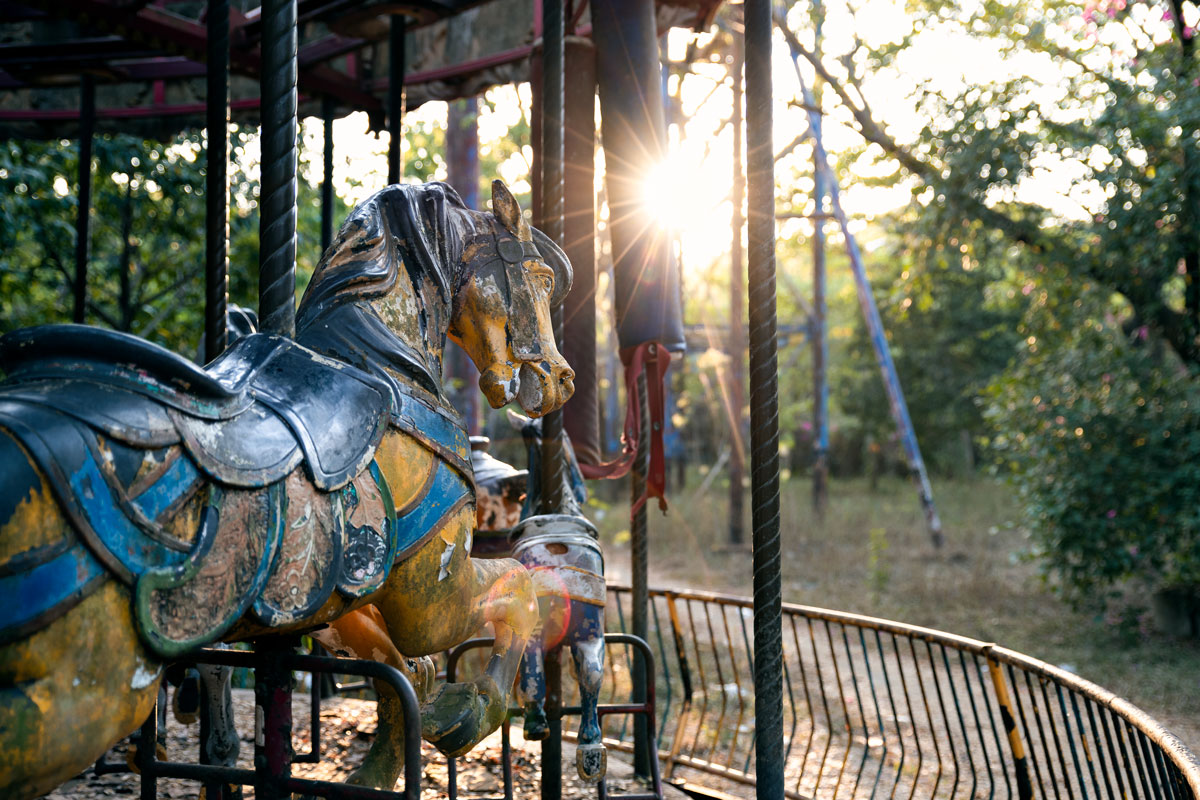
(292, 483)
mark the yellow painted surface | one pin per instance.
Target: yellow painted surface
(406, 466)
(61, 706)
(35, 523)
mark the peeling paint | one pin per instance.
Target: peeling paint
(444, 566)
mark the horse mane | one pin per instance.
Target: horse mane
(401, 225)
(413, 232)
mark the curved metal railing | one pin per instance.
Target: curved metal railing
(880, 709)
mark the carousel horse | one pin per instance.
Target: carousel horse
(563, 555)
(148, 507)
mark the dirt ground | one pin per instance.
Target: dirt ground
(347, 731)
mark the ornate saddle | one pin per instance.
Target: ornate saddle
(191, 528)
(266, 405)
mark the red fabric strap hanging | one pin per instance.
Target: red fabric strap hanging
(657, 359)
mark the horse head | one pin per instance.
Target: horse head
(501, 315)
(413, 266)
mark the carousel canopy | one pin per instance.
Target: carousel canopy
(147, 59)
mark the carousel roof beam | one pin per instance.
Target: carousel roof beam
(72, 51)
(306, 11)
(139, 112)
(189, 38)
(327, 48)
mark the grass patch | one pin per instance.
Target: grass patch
(872, 555)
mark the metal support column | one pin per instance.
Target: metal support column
(552, 745)
(273, 752)
(277, 205)
(737, 318)
(581, 414)
(216, 186)
(553, 32)
(83, 236)
(764, 406)
(327, 112)
(395, 98)
(462, 172)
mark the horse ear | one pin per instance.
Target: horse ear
(508, 211)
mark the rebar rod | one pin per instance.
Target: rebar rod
(83, 237)
(639, 558)
(327, 112)
(277, 206)
(764, 405)
(395, 97)
(216, 183)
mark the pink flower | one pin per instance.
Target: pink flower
(1188, 32)
(1168, 16)
(1112, 513)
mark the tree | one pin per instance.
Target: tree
(1070, 177)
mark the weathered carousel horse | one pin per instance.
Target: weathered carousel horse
(148, 507)
(563, 555)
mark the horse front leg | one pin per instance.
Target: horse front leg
(364, 634)
(587, 652)
(440, 597)
(533, 690)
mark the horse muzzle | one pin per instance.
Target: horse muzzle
(538, 386)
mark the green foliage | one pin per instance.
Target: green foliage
(146, 265)
(1051, 252)
(1100, 431)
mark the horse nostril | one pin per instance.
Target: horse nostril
(567, 374)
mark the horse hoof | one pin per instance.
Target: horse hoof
(457, 718)
(185, 704)
(591, 761)
(160, 754)
(536, 728)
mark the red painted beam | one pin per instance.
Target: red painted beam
(158, 28)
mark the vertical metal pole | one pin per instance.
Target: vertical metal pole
(395, 98)
(764, 405)
(820, 343)
(639, 559)
(87, 120)
(277, 208)
(552, 744)
(147, 754)
(216, 189)
(553, 97)
(327, 112)
(581, 414)
(273, 752)
(883, 352)
(462, 172)
(462, 149)
(737, 294)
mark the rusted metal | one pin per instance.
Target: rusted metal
(271, 775)
(877, 708)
